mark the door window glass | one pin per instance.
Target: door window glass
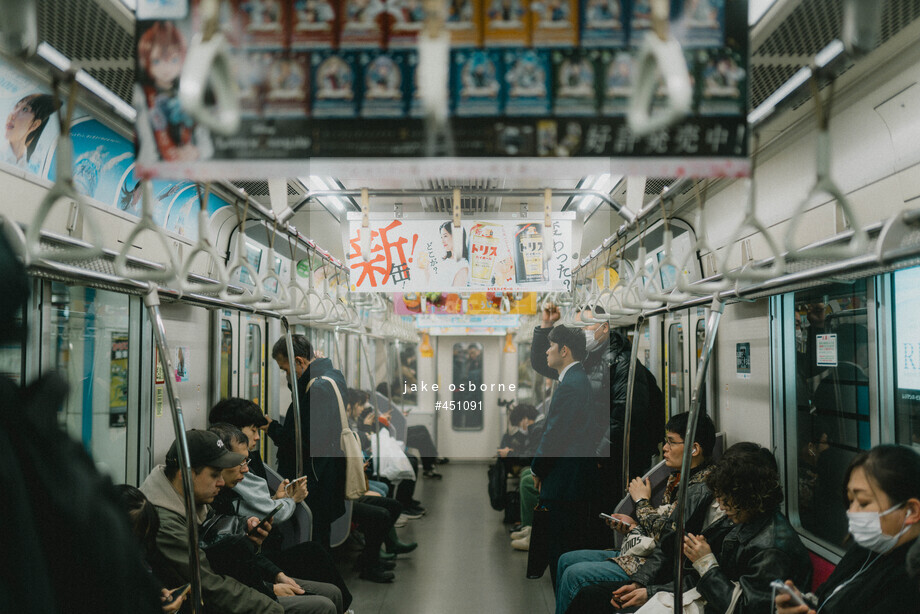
(831, 401)
(675, 369)
(253, 364)
(226, 359)
(467, 394)
(88, 341)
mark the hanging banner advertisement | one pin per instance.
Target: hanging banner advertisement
(479, 303)
(325, 79)
(503, 322)
(497, 256)
(118, 380)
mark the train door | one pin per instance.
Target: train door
(469, 422)
(251, 367)
(227, 341)
(676, 363)
(92, 337)
(189, 345)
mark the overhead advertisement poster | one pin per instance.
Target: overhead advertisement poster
(497, 256)
(322, 79)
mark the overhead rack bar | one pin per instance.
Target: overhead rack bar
(626, 214)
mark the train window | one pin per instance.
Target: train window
(408, 367)
(226, 359)
(831, 402)
(467, 394)
(907, 356)
(12, 356)
(88, 340)
(700, 337)
(675, 369)
(252, 373)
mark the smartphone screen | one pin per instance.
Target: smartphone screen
(177, 593)
(277, 509)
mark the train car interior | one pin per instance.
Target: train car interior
(771, 291)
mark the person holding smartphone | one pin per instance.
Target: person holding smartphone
(883, 489)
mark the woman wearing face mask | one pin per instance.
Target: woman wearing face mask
(883, 489)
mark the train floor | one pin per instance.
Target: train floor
(464, 562)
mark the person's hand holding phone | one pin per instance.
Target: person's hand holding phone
(297, 490)
(172, 600)
(628, 596)
(620, 522)
(789, 600)
(258, 530)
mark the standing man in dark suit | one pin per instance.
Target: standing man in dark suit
(564, 466)
(323, 459)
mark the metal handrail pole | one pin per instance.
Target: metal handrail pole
(295, 398)
(712, 327)
(152, 303)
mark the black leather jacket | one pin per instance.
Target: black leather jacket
(754, 554)
(658, 572)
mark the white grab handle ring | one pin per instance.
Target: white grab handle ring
(668, 57)
(208, 63)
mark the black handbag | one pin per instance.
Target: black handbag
(538, 555)
(220, 527)
(497, 485)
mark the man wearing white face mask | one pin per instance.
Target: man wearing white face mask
(883, 488)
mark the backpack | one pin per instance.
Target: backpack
(355, 480)
(497, 485)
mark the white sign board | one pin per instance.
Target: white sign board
(826, 354)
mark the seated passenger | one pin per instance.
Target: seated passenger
(164, 488)
(760, 546)
(235, 556)
(883, 489)
(584, 567)
(146, 524)
(307, 560)
(518, 448)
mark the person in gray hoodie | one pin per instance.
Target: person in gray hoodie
(163, 487)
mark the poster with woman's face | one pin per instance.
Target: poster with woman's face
(31, 124)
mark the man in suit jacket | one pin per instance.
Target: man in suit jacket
(564, 466)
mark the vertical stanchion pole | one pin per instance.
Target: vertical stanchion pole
(630, 390)
(295, 399)
(712, 326)
(152, 303)
(373, 395)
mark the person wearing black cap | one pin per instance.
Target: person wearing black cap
(208, 456)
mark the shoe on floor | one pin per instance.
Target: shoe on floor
(387, 565)
(431, 473)
(401, 522)
(377, 574)
(412, 513)
(443, 461)
(517, 527)
(521, 544)
(524, 532)
(400, 547)
(387, 556)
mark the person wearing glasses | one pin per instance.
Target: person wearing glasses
(583, 568)
(239, 556)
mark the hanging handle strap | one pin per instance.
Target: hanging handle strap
(64, 190)
(207, 68)
(146, 224)
(659, 54)
(206, 247)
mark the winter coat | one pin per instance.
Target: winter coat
(324, 461)
(220, 593)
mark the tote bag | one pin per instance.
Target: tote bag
(390, 461)
(355, 481)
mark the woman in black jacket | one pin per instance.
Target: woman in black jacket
(760, 547)
(883, 489)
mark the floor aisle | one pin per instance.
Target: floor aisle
(464, 563)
